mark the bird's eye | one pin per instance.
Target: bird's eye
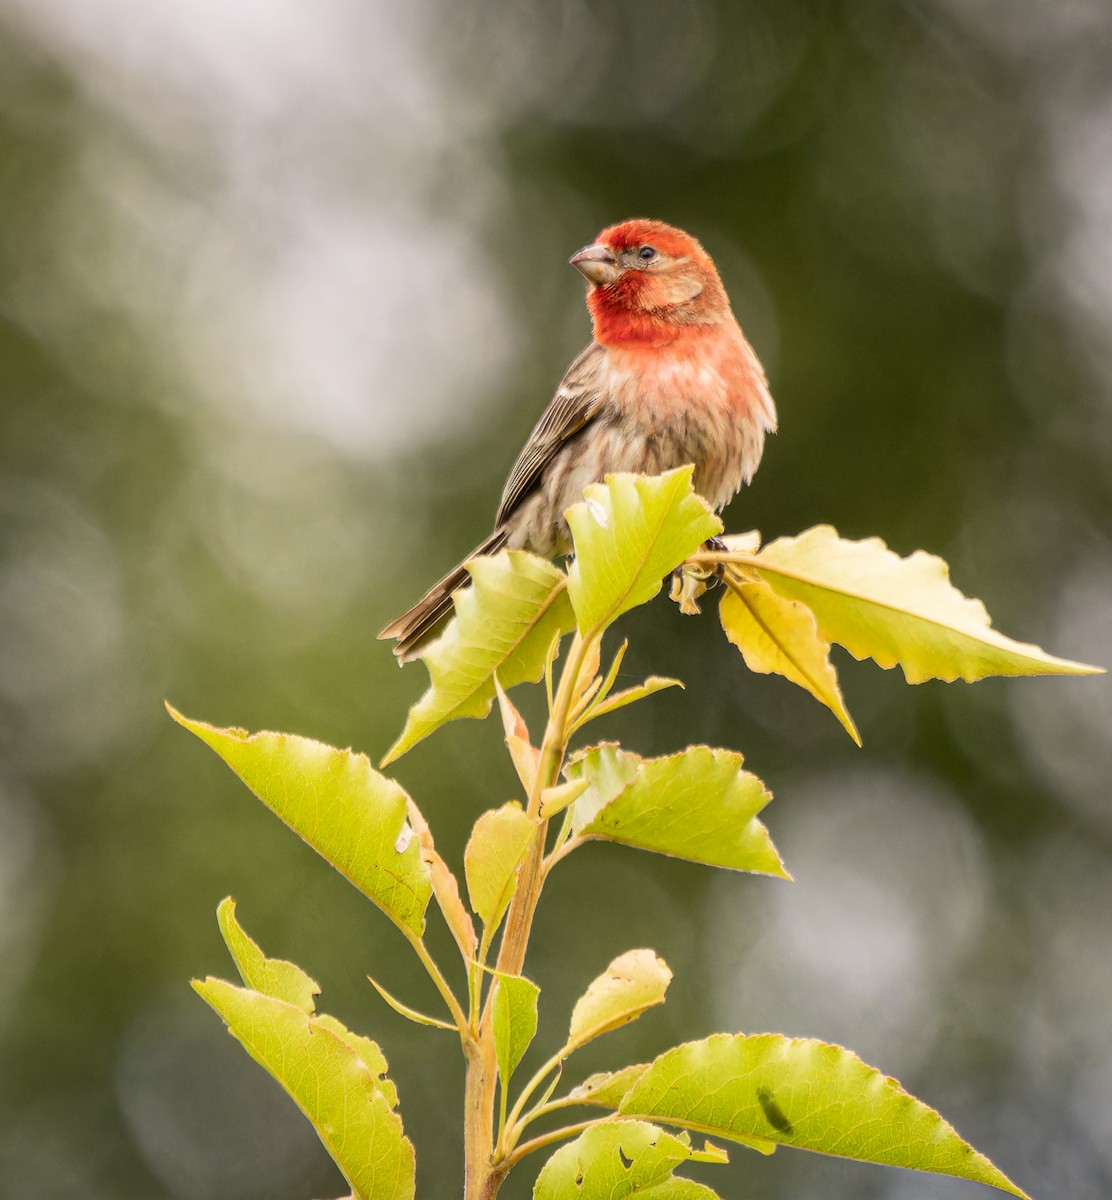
(645, 253)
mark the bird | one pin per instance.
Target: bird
(669, 379)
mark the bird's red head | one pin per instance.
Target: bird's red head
(648, 281)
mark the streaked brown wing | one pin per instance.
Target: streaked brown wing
(576, 403)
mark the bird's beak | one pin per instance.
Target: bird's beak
(596, 264)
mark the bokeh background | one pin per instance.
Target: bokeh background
(282, 290)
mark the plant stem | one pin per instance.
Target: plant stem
(711, 558)
(533, 1084)
(556, 1135)
(480, 1182)
(484, 1174)
(561, 850)
(519, 920)
(427, 961)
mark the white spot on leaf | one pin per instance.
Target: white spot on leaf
(598, 512)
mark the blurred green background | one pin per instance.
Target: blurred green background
(283, 287)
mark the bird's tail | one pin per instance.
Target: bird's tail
(423, 621)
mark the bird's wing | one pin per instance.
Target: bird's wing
(576, 403)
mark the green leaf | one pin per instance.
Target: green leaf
(898, 610)
(334, 799)
(558, 797)
(634, 981)
(497, 847)
(607, 1088)
(804, 1093)
(698, 804)
(618, 1160)
(778, 635)
(630, 695)
(504, 625)
(610, 771)
(271, 976)
(612, 673)
(336, 1078)
(514, 1021)
(410, 1014)
(366, 1051)
(629, 533)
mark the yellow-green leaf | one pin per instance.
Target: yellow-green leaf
(698, 804)
(494, 854)
(634, 981)
(337, 1079)
(404, 1010)
(630, 695)
(629, 533)
(271, 976)
(620, 1160)
(556, 798)
(803, 1093)
(334, 799)
(503, 625)
(898, 610)
(513, 1021)
(775, 634)
(607, 1088)
(742, 543)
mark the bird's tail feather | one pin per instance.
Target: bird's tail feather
(423, 621)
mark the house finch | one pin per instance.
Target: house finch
(669, 379)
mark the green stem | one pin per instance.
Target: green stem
(501, 1113)
(515, 1122)
(548, 1106)
(555, 1135)
(484, 1170)
(561, 850)
(519, 920)
(474, 997)
(427, 961)
(562, 838)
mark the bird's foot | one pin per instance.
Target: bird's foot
(716, 546)
(690, 582)
(687, 586)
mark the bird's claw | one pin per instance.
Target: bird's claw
(716, 545)
(688, 585)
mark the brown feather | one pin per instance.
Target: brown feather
(575, 404)
(420, 624)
